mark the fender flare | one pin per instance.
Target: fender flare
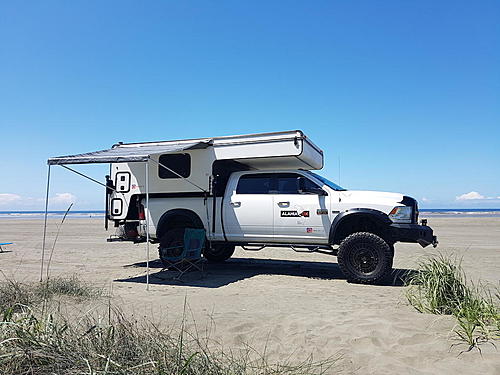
(377, 216)
(178, 213)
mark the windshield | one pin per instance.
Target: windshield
(327, 182)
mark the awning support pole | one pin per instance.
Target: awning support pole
(147, 225)
(45, 222)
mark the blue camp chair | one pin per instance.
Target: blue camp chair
(187, 256)
(3, 244)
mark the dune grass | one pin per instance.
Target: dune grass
(15, 294)
(34, 341)
(441, 287)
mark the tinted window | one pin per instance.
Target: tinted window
(254, 184)
(179, 163)
(288, 183)
(308, 184)
(327, 182)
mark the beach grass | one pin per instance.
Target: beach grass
(440, 286)
(35, 341)
(15, 294)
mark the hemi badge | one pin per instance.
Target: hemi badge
(322, 211)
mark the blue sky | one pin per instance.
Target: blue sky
(405, 93)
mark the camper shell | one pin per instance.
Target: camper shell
(203, 166)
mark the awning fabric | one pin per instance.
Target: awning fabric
(127, 153)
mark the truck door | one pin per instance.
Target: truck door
(248, 208)
(300, 212)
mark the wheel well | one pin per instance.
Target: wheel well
(358, 223)
(178, 218)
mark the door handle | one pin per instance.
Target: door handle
(236, 204)
(283, 204)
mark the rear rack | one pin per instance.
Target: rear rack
(114, 238)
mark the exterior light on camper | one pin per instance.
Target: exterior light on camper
(142, 215)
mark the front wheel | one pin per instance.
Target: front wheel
(365, 258)
(218, 253)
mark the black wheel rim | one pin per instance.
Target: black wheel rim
(364, 258)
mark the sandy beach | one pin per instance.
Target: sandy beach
(290, 305)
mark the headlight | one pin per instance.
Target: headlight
(401, 214)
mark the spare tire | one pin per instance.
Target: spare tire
(365, 258)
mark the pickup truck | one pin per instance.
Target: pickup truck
(302, 210)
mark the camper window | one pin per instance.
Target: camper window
(179, 163)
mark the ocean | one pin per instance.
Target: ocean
(51, 214)
(424, 212)
(470, 212)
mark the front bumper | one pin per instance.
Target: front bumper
(422, 234)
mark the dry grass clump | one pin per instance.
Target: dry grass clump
(68, 286)
(14, 294)
(34, 342)
(440, 287)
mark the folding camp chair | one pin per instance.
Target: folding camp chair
(3, 244)
(189, 257)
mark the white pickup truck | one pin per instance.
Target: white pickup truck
(255, 191)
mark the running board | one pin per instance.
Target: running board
(258, 247)
(299, 248)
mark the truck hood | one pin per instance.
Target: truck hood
(378, 200)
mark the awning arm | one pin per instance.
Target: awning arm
(89, 178)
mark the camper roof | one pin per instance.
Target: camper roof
(232, 139)
(290, 149)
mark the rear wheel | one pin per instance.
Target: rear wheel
(218, 253)
(365, 258)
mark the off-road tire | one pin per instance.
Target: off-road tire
(173, 238)
(365, 258)
(218, 253)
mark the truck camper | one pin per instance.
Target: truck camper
(253, 191)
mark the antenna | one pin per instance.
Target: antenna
(339, 172)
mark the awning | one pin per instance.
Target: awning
(127, 153)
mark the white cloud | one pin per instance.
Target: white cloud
(473, 195)
(424, 199)
(9, 201)
(63, 198)
(8, 198)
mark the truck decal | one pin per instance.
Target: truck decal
(294, 214)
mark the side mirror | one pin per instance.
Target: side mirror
(319, 191)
